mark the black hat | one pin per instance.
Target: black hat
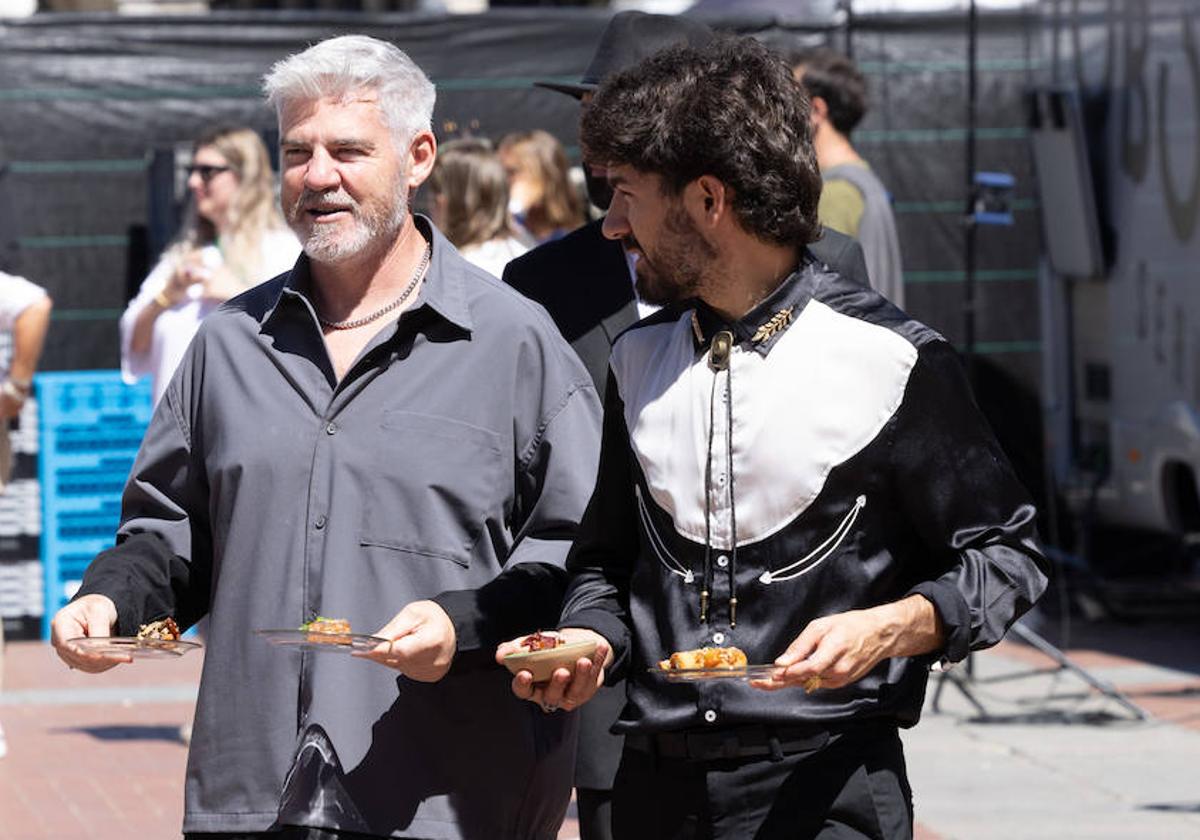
(628, 38)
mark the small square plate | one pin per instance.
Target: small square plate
(748, 672)
(322, 642)
(133, 646)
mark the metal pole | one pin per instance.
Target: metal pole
(969, 218)
(848, 7)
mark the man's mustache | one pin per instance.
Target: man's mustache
(311, 199)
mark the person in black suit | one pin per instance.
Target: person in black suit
(585, 282)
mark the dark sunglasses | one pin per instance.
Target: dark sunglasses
(206, 171)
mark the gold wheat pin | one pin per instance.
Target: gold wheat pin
(778, 322)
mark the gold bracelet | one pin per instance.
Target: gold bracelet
(162, 300)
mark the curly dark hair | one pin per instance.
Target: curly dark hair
(730, 110)
(833, 77)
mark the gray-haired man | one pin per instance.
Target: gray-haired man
(384, 427)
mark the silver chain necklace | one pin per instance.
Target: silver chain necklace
(379, 313)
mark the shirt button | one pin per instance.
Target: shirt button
(320, 523)
(718, 638)
(710, 716)
(331, 429)
(722, 560)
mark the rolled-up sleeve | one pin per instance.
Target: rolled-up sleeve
(981, 563)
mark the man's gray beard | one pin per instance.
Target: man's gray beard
(370, 233)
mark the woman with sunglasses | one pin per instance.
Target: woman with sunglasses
(233, 237)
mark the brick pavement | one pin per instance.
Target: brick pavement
(99, 757)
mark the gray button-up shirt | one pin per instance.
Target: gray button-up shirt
(457, 453)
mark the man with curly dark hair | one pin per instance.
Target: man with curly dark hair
(790, 467)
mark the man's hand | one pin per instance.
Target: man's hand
(838, 650)
(92, 616)
(566, 689)
(421, 642)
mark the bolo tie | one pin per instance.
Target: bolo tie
(720, 351)
(719, 361)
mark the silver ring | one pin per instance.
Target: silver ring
(549, 708)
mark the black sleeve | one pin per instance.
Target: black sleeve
(162, 563)
(982, 567)
(602, 559)
(147, 581)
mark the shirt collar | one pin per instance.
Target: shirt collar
(442, 290)
(763, 325)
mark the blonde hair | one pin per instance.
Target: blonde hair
(469, 175)
(254, 211)
(561, 207)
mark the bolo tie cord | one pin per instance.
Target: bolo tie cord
(733, 535)
(719, 358)
(706, 575)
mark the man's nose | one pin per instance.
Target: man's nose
(321, 172)
(616, 223)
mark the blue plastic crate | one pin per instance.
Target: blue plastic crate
(91, 425)
(97, 439)
(91, 398)
(67, 481)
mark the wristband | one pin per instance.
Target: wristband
(162, 300)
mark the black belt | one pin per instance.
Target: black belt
(736, 742)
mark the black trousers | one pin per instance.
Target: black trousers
(595, 813)
(854, 786)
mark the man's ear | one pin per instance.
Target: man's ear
(818, 109)
(710, 199)
(422, 152)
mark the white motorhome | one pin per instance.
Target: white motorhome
(1121, 282)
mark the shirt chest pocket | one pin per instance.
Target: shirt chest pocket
(433, 483)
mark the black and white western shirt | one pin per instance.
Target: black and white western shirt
(837, 461)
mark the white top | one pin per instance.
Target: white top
(16, 295)
(175, 327)
(494, 254)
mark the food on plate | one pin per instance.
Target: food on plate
(330, 631)
(721, 657)
(164, 629)
(541, 654)
(542, 641)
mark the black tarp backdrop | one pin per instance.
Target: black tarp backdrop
(87, 100)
